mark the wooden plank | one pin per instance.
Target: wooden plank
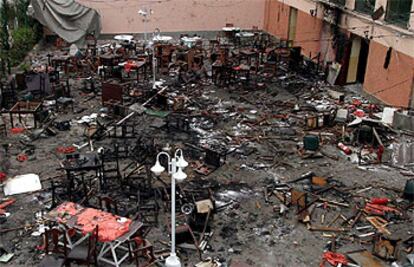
(365, 259)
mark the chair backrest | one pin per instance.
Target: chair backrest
(108, 204)
(229, 25)
(53, 241)
(141, 247)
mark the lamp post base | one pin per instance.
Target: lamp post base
(172, 261)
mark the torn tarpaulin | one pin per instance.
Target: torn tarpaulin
(67, 18)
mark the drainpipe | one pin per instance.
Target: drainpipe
(411, 100)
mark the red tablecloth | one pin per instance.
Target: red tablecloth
(110, 226)
(133, 65)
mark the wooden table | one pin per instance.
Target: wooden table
(113, 231)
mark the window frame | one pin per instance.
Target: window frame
(396, 19)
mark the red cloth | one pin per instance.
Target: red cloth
(2, 177)
(17, 130)
(379, 201)
(359, 113)
(109, 226)
(130, 65)
(66, 149)
(333, 258)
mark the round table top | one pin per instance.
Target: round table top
(190, 39)
(162, 38)
(245, 34)
(231, 29)
(124, 37)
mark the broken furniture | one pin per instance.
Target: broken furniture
(212, 161)
(62, 95)
(91, 43)
(110, 66)
(222, 74)
(241, 73)
(270, 64)
(203, 213)
(230, 32)
(8, 94)
(244, 39)
(113, 231)
(61, 63)
(111, 174)
(107, 204)
(184, 234)
(250, 57)
(3, 127)
(112, 92)
(25, 111)
(178, 123)
(386, 248)
(319, 120)
(139, 67)
(76, 165)
(85, 253)
(59, 192)
(142, 251)
(124, 130)
(163, 54)
(55, 245)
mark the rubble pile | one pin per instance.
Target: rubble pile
(281, 168)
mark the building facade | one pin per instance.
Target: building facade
(121, 16)
(373, 40)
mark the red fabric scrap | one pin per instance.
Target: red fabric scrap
(359, 113)
(377, 209)
(66, 149)
(17, 130)
(333, 258)
(22, 157)
(356, 102)
(130, 65)
(379, 201)
(2, 177)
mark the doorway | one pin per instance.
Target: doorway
(357, 60)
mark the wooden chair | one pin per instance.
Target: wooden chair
(56, 253)
(183, 232)
(141, 248)
(108, 204)
(86, 254)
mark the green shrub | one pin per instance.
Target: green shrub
(23, 41)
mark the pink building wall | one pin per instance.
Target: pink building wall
(121, 16)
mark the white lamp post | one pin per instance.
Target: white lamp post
(175, 169)
(145, 13)
(156, 36)
(154, 66)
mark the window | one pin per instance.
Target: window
(398, 12)
(365, 6)
(338, 2)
